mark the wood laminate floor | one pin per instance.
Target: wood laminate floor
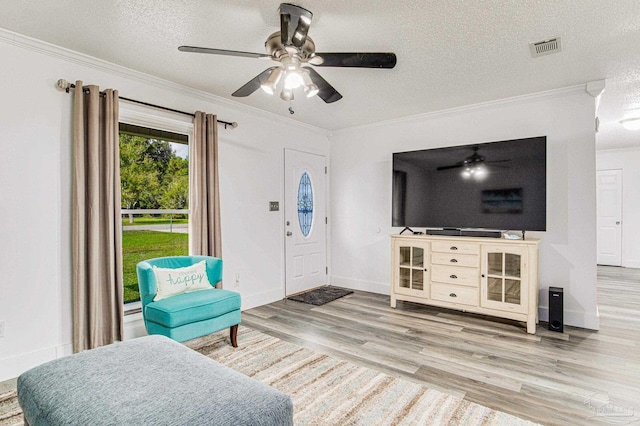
(576, 377)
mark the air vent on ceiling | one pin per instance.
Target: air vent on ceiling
(545, 47)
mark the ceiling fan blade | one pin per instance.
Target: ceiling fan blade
(360, 60)
(294, 24)
(327, 93)
(195, 49)
(253, 84)
(453, 166)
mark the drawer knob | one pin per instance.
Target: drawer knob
(453, 295)
(454, 260)
(454, 248)
(453, 276)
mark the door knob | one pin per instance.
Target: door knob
(289, 233)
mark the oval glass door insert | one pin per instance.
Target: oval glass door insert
(305, 204)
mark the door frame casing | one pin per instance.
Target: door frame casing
(283, 218)
(620, 173)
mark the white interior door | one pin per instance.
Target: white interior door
(305, 221)
(609, 217)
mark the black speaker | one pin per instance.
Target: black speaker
(556, 319)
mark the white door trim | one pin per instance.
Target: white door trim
(320, 216)
(609, 217)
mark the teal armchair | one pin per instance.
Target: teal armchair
(188, 315)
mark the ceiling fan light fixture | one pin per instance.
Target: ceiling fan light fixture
(293, 80)
(480, 173)
(269, 86)
(293, 48)
(475, 171)
(631, 123)
(310, 89)
(286, 94)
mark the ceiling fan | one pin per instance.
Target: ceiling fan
(472, 165)
(293, 48)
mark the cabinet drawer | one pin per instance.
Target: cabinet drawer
(455, 247)
(454, 294)
(455, 259)
(455, 275)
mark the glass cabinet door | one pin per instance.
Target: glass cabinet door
(502, 279)
(411, 273)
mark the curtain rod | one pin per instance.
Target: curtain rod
(63, 84)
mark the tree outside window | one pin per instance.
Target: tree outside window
(154, 175)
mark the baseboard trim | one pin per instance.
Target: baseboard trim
(134, 326)
(573, 318)
(14, 366)
(260, 299)
(362, 285)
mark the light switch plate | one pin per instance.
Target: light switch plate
(274, 206)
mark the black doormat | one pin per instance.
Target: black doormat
(321, 295)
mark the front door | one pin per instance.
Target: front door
(609, 217)
(305, 221)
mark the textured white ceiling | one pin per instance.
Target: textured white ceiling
(450, 53)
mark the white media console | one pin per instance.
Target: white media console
(489, 276)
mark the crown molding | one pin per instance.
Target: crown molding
(69, 55)
(576, 89)
(621, 149)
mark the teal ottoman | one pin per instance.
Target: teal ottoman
(151, 380)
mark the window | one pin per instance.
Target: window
(305, 204)
(154, 177)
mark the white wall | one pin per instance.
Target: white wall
(627, 160)
(35, 174)
(361, 190)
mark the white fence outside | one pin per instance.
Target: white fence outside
(183, 227)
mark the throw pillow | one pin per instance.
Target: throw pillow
(171, 282)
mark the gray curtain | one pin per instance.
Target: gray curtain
(205, 238)
(96, 222)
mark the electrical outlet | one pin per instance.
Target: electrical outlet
(1, 328)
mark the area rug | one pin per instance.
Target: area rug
(328, 391)
(325, 390)
(10, 412)
(321, 295)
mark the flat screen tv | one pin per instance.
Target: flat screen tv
(496, 185)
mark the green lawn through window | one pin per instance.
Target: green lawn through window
(142, 245)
